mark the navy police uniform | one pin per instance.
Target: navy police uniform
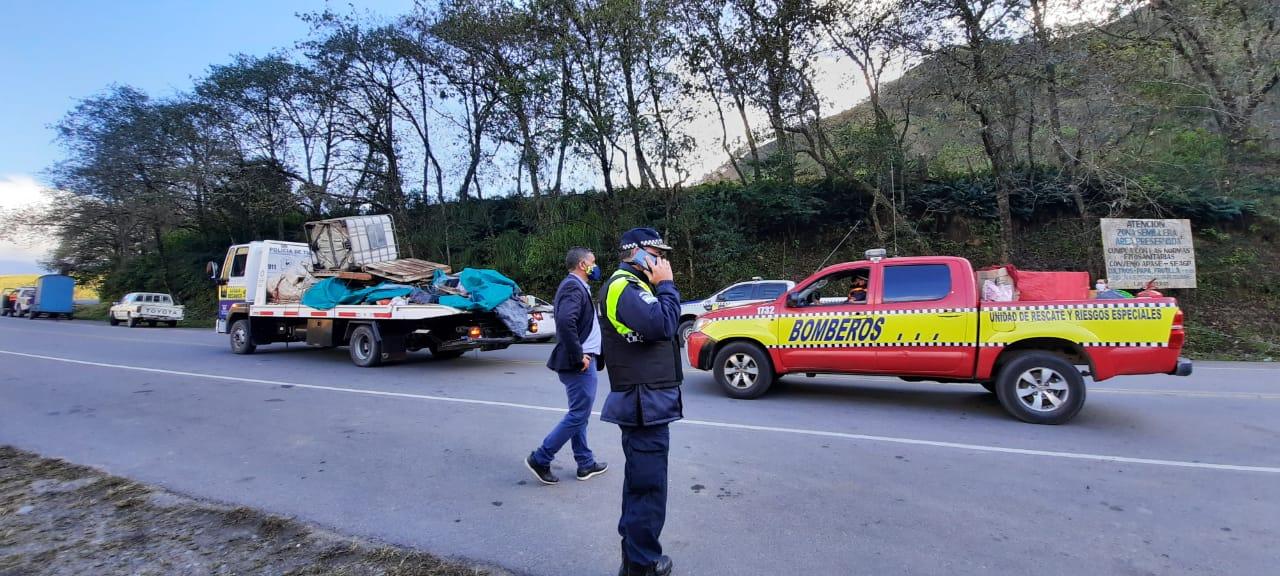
(638, 324)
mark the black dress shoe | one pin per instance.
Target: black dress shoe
(595, 470)
(660, 568)
(542, 473)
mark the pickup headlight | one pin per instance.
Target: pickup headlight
(699, 324)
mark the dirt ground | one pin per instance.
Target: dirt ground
(61, 518)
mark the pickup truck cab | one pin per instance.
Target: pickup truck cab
(920, 319)
(149, 307)
(752, 292)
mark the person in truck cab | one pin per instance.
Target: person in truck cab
(858, 292)
(640, 313)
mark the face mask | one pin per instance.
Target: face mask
(594, 273)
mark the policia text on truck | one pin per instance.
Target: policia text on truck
(922, 320)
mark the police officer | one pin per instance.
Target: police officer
(640, 310)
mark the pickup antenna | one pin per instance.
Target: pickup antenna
(833, 250)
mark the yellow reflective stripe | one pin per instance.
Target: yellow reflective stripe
(615, 293)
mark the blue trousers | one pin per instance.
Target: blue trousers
(644, 492)
(580, 387)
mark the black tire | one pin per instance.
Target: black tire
(683, 332)
(1044, 380)
(241, 336)
(172, 323)
(112, 320)
(32, 315)
(131, 322)
(365, 348)
(990, 386)
(743, 357)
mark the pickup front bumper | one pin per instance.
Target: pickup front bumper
(1183, 368)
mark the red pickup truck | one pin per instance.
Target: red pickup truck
(920, 318)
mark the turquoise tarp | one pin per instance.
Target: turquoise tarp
(330, 292)
(486, 289)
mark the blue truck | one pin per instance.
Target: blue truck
(53, 298)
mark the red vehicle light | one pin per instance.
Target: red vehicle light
(474, 332)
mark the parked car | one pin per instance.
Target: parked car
(148, 307)
(751, 292)
(8, 299)
(25, 299)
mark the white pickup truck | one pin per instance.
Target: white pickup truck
(149, 307)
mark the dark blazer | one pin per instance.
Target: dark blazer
(574, 312)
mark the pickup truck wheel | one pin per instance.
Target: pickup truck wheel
(686, 328)
(1041, 388)
(366, 349)
(131, 322)
(743, 370)
(242, 337)
(112, 320)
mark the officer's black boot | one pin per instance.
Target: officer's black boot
(660, 568)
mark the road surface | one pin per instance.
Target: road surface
(830, 475)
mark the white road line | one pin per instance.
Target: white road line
(704, 423)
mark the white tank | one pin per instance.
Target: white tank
(351, 242)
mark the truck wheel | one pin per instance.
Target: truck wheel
(1040, 388)
(686, 328)
(743, 370)
(131, 322)
(241, 337)
(112, 320)
(366, 349)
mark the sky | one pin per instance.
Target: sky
(55, 52)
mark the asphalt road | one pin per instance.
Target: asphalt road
(831, 475)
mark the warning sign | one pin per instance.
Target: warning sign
(1139, 250)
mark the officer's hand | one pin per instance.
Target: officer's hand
(586, 362)
(660, 271)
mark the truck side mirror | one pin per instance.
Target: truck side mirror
(707, 307)
(211, 269)
(793, 300)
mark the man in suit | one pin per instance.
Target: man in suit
(575, 359)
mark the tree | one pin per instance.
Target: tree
(1233, 50)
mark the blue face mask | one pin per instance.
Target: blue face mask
(594, 273)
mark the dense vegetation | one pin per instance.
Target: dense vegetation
(500, 133)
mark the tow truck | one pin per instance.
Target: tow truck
(921, 319)
(252, 313)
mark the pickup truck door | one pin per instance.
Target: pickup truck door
(931, 323)
(830, 335)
